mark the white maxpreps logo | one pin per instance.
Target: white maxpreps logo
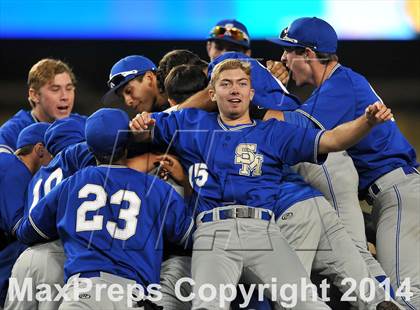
(245, 154)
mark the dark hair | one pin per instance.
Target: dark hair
(222, 45)
(184, 81)
(137, 78)
(175, 58)
(324, 58)
(25, 150)
(109, 159)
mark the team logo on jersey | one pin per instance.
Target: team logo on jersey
(246, 155)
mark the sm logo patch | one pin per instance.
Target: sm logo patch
(246, 155)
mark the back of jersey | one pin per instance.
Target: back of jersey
(61, 167)
(113, 219)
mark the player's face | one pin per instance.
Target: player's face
(233, 94)
(300, 69)
(140, 96)
(55, 99)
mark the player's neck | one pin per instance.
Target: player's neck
(30, 163)
(231, 121)
(323, 72)
(40, 115)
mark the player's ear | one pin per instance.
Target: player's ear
(40, 150)
(252, 93)
(212, 94)
(309, 54)
(44, 157)
(33, 96)
(150, 78)
(172, 102)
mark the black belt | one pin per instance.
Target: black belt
(90, 274)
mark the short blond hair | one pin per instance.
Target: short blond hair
(45, 70)
(229, 64)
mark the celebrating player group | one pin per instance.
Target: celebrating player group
(225, 191)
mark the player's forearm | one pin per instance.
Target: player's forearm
(26, 233)
(200, 100)
(344, 136)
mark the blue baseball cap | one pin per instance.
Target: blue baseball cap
(230, 30)
(123, 71)
(107, 131)
(311, 32)
(32, 135)
(63, 133)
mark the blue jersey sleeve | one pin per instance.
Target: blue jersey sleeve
(8, 139)
(292, 144)
(77, 157)
(298, 119)
(13, 188)
(179, 223)
(167, 125)
(40, 225)
(10, 130)
(341, 98)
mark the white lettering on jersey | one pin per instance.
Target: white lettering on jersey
(246, 155)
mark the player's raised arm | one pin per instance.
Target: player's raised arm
(346, 135)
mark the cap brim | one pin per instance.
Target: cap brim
(110, 97)
(284, 43)
(228, 39)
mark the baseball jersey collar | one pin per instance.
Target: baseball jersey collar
(236, 127)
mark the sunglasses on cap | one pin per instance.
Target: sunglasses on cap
(283, 36)
(119, 77)
(233, 32)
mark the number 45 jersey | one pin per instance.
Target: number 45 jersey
(111, 219)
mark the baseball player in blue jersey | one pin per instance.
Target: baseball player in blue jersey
(220, 150)
(384, 159)
(337, 178)
(134, 79)
(111, 220)
(51, 85)
(15, 173)
(43, 263)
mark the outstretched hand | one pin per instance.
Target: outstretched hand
(378, 113)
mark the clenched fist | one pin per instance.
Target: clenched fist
(378, 113)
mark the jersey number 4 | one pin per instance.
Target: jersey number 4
(129, 215)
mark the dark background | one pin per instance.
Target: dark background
(392, 68)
